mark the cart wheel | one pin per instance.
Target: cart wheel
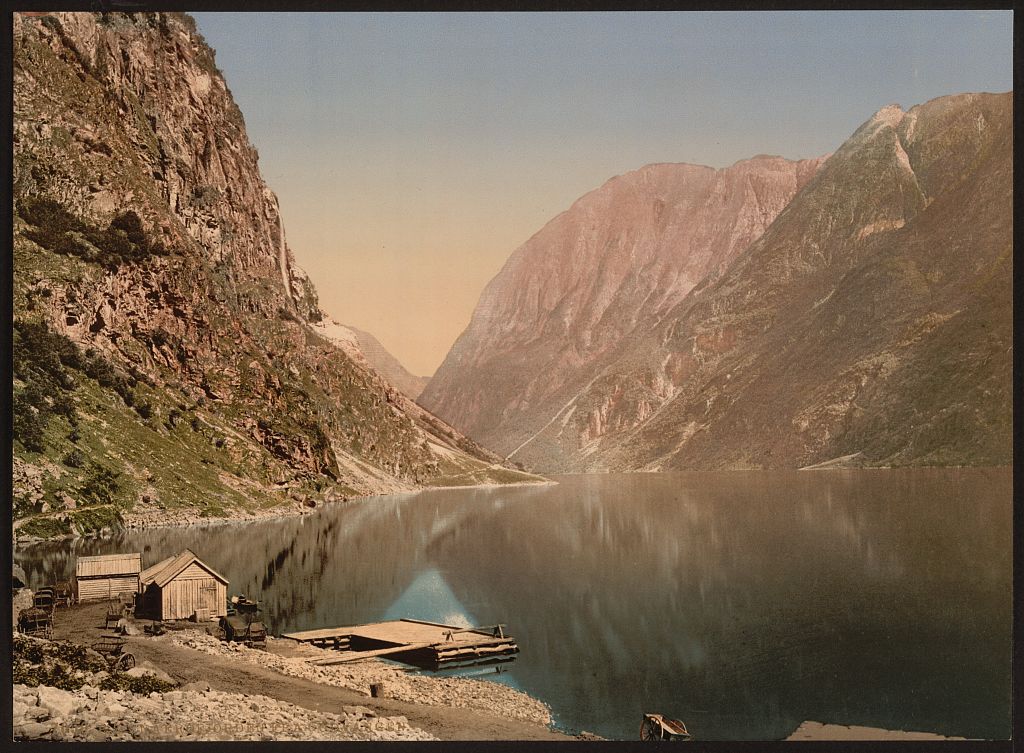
(126, 662)
(649, 730)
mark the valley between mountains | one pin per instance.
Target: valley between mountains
(172, 362)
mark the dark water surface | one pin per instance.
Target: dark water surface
(742, 603)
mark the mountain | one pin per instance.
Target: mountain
(388, 366)
(167, 358)
(582, 290)
(366, 350)
(870, 325)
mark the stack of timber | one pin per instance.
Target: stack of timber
(412, 641)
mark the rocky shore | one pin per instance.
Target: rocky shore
(94, 715)
(394, 681)
(188, 684)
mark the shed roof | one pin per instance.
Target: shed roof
(109, 564)
(165, 571)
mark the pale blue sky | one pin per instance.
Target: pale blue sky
(413, 152)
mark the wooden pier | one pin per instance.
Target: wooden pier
(412, 641)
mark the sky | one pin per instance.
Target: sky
(413, 153)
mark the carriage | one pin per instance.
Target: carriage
(112, 650)
(36, 621)
(63, 594)
(44, 599)
(243, 624)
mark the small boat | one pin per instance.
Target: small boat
(657, 727)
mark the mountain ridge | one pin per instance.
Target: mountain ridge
(570, 310)
(167, 361)
(680, 393)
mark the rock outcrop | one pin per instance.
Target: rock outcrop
(166, 349)
(93, 715)
(870, 323)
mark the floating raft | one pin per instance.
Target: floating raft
(414, 641)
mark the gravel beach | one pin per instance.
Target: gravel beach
(226, 691)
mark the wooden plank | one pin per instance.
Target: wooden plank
(322, 634)
(357, 655)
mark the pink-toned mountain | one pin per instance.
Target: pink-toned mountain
(869, 325)
(569, 299)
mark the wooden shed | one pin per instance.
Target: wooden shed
(107, 575)
(181, 586)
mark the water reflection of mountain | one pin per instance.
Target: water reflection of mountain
(743, 603)
(735, 599)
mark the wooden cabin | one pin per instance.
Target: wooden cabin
(107, 575)
(183, 586)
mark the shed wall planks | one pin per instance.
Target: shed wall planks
(93, 589)
(193, 589)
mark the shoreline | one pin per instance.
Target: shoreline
(213, 689)
(186, 517)
(189, 518)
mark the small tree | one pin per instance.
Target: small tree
(100, 485)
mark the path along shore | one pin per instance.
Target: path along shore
(229, 692)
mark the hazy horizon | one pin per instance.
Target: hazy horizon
(413, 153)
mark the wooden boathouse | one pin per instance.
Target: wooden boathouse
(183, 586)
(411, 641)
(106, 576)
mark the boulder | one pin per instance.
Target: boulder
(58, 702)
(147, 668)
(358, 711)
(32, 730)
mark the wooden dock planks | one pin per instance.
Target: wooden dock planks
(441, 643)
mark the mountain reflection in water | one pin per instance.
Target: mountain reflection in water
(742, 602)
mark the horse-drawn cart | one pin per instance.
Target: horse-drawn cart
(63, 594)
(243, 623)
(112, 649)
(36, 621)
(44, 599)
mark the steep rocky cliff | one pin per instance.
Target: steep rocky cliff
(869, 325)
(584, 288)
(166, 350)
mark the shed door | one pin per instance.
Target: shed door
(208, 596)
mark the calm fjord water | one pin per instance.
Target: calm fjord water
(742, 602)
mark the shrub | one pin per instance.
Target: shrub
(28, 423)
(45, 528)
(204, 197)
(143, 685)
(92, 519)
(57, 229)
(74, 459)
(27, 649)
(76, 656)
(144, 409)
(130, 225)
(100, 486)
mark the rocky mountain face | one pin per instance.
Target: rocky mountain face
(869, 325)
(580, 292)
(385, 364)
(166, 350)
(367, 350)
